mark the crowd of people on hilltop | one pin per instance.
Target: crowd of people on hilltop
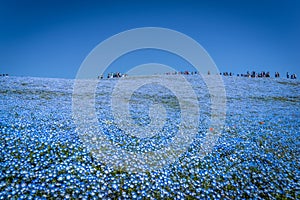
(227, 74)
(113, 75)
(253, 74)
(4, 75)
(293, 76)
(262, 74)
(182, 73)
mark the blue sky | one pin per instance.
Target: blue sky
(52, 38)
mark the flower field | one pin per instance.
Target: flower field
(256, 156)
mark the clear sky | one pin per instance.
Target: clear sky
(52, 38)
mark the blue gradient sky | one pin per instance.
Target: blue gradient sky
(52, 38)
